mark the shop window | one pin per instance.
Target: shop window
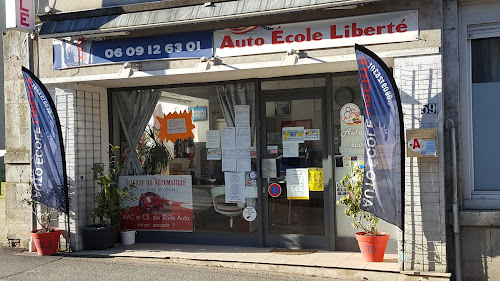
(480, 84)
(197, 155)
(348, 146)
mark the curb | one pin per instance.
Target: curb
(339, 273)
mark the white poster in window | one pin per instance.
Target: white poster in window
(243, 138)
(176, 126)
(214, 154)
(243, 161)
(251, 191)
(213, 139)
(295, 134)
(228, 160)
(297, 184)
(242, 115)
(311, 134)
(290, 149)
(235, 185)
(228, 138)
(340, 190)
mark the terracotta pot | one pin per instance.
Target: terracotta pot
(46, 243)
(372, 247)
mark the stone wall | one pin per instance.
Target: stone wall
(17, 128)
(82, 110)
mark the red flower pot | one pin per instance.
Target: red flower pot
(46, 243)
(372, 247)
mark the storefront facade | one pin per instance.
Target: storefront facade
(276, 110)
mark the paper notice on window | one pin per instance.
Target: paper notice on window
(235, 186)
(228, 160)
(176, 126)
(242, 115)
(290, 149)
(243, 138)
(297, 184)
(228, 138)
(243, 161)
(213, 139)
(316, 179)
(251, 191)
(311, 134)
(214, 154)
(295, 134)
(251, 185)
(253, 152)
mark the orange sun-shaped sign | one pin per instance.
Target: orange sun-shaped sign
(176, 126)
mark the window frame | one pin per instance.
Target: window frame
(471, 28)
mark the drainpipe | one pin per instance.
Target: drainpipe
(456, 224)
(29, 57)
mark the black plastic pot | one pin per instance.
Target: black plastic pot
(99, 237)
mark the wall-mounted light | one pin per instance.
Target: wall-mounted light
(132, 65)
(203, 64)
(128, 69)
(291, 57)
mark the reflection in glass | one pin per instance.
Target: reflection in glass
(294, 216)
(215, 110)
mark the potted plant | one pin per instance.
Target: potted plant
(109, 206)
(46, 239)
(372, 243)
(155, 154)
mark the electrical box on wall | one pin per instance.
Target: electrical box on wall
(421, 143)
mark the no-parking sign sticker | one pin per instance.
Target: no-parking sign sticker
(274, 190)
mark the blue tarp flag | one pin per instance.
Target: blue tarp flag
(383, 186)
(48, 160)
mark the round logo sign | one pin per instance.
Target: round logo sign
(249, 213)
(274, 190)
(350, 114)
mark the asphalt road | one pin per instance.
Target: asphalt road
(15, 266)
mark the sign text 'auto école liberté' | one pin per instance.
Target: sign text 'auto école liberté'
(377, 28)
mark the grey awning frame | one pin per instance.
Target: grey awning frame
(177, 16)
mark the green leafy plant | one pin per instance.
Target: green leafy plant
(155, 154)
(40, 211)
(361, 219)
(109, 201)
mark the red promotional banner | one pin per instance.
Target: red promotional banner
(163, 203)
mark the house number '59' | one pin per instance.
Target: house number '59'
(430, 108)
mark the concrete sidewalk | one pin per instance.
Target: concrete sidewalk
(343, 265)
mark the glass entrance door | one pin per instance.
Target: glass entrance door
(294, 151)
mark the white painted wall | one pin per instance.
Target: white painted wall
(84, 120)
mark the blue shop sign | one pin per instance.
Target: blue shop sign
(90, 52)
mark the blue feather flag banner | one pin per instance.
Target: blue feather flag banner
(48, 160)
(383, 186)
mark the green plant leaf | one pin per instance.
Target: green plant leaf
(361, 219)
